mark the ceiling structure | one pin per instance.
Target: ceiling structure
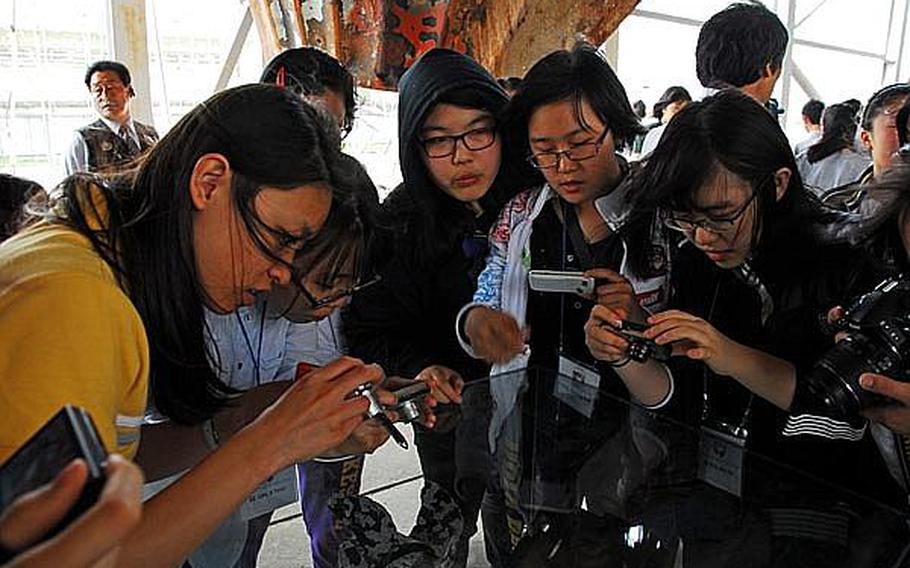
(379, 39)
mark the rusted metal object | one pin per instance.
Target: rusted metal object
(379, 39)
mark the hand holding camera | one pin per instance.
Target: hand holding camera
(692, 337)
(873, 340)
(896, 415)
(614, 291)
(317, 413)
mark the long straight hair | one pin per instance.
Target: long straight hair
(838, 131)
(270, 138)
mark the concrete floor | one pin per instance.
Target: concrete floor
(287, 544)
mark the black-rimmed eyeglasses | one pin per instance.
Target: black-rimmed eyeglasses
(715, 225)
(474, 140)
(328, 299)
(576, 153)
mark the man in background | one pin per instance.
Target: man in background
(812, 122)
(743, 47)
(115, 138)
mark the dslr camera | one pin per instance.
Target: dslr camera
(878, 324)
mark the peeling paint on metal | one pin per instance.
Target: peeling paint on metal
(313, 10)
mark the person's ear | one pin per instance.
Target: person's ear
(866, 137)
(210, 179)
(130, 91)
(781, 182)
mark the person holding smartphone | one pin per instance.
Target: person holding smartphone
(562, 127)
(102, 299)
(565, 122)
(93, 539)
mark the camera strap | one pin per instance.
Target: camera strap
(568, 366)
(721, 446)
(572, 227)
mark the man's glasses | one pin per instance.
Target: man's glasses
(474, 140)
(577, 153)
(316, 303)
(715, 225)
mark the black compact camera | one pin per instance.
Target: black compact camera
(878, 342)
(70, 434)
(640, 348)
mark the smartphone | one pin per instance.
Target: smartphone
(561, 282)
(70, 434)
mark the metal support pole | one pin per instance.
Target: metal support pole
(787, 74)
(129, 45)
(236, 47)
(885, 62)
(900, 51)
(611, 50)
(803, 81)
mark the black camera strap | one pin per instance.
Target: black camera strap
(567, 216)
(572, 225)
(740, 430)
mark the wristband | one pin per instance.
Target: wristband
(620, 363)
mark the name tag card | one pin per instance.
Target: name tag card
(720, 460)
(577, 385)
(278, 491)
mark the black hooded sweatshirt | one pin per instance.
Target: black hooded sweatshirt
(430, 247)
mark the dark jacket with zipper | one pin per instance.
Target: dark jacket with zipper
(802, 288)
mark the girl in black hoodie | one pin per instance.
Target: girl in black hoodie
(434, 244)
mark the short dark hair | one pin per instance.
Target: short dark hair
(813, 111)
(881, 99)
(674, 94)
(115, 66)
(311, 71)
(736, 44)
(582, 73)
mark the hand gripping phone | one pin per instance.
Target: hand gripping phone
(561, 282)
(70, 434)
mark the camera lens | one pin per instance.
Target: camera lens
(833, 384)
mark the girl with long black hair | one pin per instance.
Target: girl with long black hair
(102, 303)
(832, 161)
(751, 286)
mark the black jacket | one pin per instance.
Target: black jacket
(802, 289)
(430, 247)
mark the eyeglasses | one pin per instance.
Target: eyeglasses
(316, 303)
(715, 225)
(577, 153)
(474, 140)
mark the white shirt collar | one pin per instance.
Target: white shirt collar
(115, 127)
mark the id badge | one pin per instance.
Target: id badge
(720, 460)
(577, 385)
(278, 491)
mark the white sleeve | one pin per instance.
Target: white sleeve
(670, 391)
(76, 159)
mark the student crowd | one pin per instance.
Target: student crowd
(213, 298)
